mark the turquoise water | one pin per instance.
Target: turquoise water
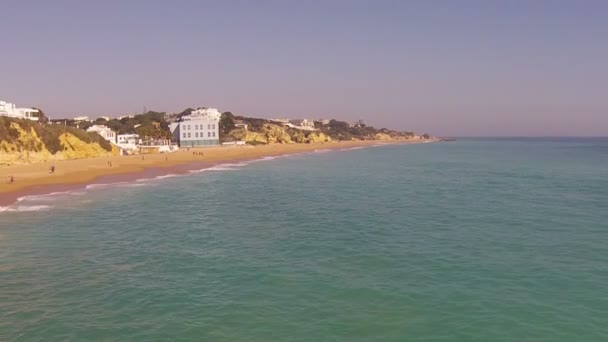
(473, 240)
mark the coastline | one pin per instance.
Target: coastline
(35, 179)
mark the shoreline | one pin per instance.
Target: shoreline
(77, 174)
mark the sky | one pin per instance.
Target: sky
(450, 68)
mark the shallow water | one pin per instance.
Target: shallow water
(487, 240)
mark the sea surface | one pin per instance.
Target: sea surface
(471, 240)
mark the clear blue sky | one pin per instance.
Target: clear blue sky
(446, 67)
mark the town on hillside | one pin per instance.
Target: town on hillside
(204, 127)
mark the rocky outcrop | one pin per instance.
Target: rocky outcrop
(23, 142)
(272, 133)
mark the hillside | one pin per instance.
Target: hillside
(24, 141)
(262, 131)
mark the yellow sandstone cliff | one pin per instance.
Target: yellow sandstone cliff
(23, 142)
(271, 133)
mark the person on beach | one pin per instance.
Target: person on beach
(11, 179)
(52, 170)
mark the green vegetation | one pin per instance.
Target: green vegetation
(226, 123)
(150, 125)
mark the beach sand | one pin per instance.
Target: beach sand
(34, 179)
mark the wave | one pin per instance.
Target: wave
(25, 208)
(104, 185)
(353, 148)
(137, 185)
(171, 175)
(215, 168)
(48, 197)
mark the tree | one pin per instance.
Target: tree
(149, 131)
(100, 121)
(226, 123)
(338, 125)
(115, 125)
(42, 118)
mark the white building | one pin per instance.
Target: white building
(104, 131)
(303, 124)
(200, 128)
(128, 139)
(128, 142)
(240, 124)
(10, 110)
(81, 118)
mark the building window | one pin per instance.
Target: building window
(213, 126)
(188, 135)
(196, 127)
(214, 134)
(184, 135)
(196, 134)
(208, 126)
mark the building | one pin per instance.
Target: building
(303, 123)
(240, 124)
(82, 119)
(10, 110)
(128, 143)
(105, 132)
(281, 121)
(357, 124)
(128, 139)
(200, 128)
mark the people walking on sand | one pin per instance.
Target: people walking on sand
(11, 179)
(52, 170)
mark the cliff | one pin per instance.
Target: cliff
(269, 133)
(262, 131)
(24, 141)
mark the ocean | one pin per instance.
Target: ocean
(471, 240)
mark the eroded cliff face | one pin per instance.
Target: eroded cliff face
(270, 133)
(22, 143)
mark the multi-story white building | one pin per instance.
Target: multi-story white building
(105, 132)
(10, 110)
(200, 128)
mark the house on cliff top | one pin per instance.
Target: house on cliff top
(10, 110)
(105, 132)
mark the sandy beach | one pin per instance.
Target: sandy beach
(34, 179)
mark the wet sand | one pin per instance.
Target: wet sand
(36, 179)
